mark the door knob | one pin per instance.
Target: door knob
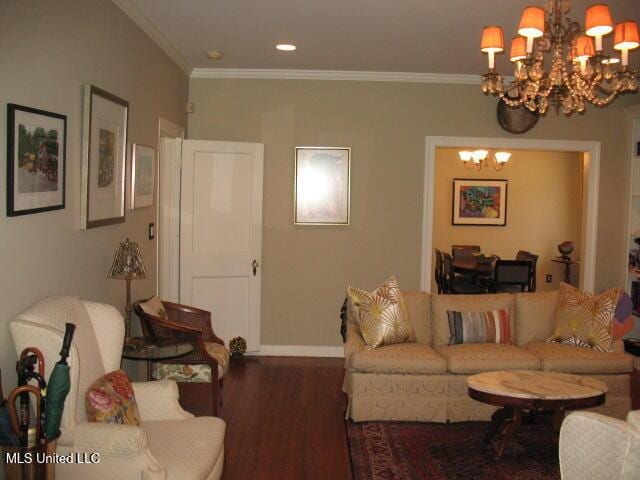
(255, 265)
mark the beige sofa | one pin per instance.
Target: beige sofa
(426, 380)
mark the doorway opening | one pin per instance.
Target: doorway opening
(551, 192)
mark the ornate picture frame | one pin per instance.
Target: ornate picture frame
(36, 160)
(104, 154)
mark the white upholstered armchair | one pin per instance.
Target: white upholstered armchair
(169, 444)
(596, 447)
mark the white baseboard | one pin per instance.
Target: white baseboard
(298, 351)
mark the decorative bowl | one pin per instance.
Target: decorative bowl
(566, 248)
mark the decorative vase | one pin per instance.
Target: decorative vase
(566, 248)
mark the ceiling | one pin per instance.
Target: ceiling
(422, 36)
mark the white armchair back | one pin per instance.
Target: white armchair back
(96, 347)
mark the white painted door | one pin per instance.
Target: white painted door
(221, 235)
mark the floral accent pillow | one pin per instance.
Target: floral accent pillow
(154, 307)
(110, 399)
(584, 319)
(382, 315)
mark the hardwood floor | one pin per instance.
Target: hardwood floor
(285, 419)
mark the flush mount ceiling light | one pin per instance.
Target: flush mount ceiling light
(286, 47)
(580, 71)
(214, 54)
(477, 159)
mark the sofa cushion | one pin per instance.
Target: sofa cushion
(584, 319)
(405, 358)
(535, 316)
(483, 357)
(418, 306)
(383, 315)
(480, 327)
(572, 359)
(440, 304)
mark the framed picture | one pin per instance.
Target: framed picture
(143, 174)
(322, 186)
(104, 153)
(36, 152)
(479, 202)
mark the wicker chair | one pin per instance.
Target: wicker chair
(185, 323)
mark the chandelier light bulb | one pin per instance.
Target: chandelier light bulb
(465, 155)
(502, 157)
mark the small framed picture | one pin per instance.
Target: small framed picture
(479, 202)
(322, 186)
(104, 153)
(36, 153)
(143, 174)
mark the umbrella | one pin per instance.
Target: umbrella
(13, 413)
(26, 372)
(59, 386)
(7, 435)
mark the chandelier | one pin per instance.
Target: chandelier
(580, 71)
(477, 159)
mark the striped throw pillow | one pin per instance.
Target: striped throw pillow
(479, 327)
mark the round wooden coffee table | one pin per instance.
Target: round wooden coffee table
(518, 391)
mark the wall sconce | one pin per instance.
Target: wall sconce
(477, 159)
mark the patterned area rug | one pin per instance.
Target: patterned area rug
(431, 451)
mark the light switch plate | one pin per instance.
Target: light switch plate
(152, 231)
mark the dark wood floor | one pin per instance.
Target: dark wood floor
(285, 419)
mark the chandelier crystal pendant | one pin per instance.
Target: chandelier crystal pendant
(580, 72)
(478, 159)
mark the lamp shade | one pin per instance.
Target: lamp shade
(492, 39)
(518, 49)
(626, 36)
(532, 22)
(465, 155)
(598, 21)
(584, 48)
(127, 262)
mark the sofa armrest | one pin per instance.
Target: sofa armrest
(158, 400)
(585, 432)
(354, 344)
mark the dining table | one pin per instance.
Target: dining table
(469, 266)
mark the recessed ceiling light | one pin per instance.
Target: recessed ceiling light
(286, 47)
(214, 54)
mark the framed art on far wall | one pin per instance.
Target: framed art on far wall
(479, 202)
(143, 172)
(36, 153)
(322, 186)
(104, 153)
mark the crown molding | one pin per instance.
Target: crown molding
(360, 76)
(140, 19)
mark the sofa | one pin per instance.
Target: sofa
(427, 380)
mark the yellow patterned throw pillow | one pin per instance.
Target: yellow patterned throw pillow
(382, 315)
(584, 319)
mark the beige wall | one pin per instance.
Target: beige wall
(544, 204)
(49, 50)
(306, 269)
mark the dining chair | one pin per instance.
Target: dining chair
(511, 276)
(533, 258)
(459, 284)
(464, 250)
(439, 272)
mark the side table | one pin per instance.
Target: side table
(151, 350)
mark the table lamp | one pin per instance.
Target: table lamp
(127, 265)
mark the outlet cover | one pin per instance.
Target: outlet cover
(549, 278)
